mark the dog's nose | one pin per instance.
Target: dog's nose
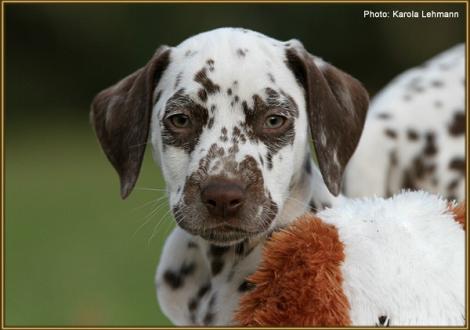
(223, 198)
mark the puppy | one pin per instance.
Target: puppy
(229, 113)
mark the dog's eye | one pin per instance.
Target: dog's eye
(274, 122)
(180, 121)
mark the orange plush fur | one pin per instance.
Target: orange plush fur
(299, 281)
(459, 213)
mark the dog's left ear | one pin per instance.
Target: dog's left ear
(336, 106)
(121, 115)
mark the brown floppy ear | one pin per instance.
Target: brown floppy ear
(336, 106)
(121, 114)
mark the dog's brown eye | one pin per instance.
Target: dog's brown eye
(180, 121)
(273, 122)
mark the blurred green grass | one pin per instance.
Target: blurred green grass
(72, 257)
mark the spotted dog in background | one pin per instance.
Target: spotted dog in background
(414, 136)
(228, 113)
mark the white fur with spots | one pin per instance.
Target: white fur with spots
(422, 109)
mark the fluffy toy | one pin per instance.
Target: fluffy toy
(397, 261)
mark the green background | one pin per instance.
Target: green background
(75, 253)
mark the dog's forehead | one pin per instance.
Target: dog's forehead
(233, 64)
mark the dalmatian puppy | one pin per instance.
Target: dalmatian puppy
(414, 136)
(229, 113)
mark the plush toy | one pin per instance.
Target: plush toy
(397, 261)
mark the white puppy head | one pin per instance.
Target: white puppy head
(228, 113)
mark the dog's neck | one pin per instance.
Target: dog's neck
(308, 193)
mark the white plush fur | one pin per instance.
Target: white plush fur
(405, 259)
(413, 101)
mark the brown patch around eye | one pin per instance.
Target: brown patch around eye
(186, 139)
(275, 139)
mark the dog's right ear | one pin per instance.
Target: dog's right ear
(121, 115)
(336, 107)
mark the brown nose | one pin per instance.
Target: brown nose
(223, 198)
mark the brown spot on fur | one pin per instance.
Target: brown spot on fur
(417, 89)
(308, 165)
(458, 164)
(236, 132)
(313, 207)
(453, 185)
(308, 252)
(190, 53)
(412, 135)
(430, 148)
(178, 79)
(392, 164)
(202, 95)
(457, 127)
(459, 213)
(229, 91)
(391, 133)
(233, 149)
(223, 135)
(408, 182)
(419, 167)
(211, 123)
(383, 116)
(269, 160)
(210, 63)
(241, 52)
(207, 84)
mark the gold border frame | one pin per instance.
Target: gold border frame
(2, 135)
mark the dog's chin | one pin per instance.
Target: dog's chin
(225, 236)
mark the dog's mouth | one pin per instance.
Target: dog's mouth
(226, 234)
